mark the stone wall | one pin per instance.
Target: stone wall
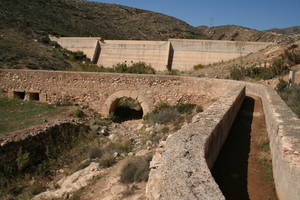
(99, 90)
(178, 54)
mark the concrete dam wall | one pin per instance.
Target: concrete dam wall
(177, 54)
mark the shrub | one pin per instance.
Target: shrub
(95, 152)
(277, 68)
(120, 68)
(185, 108)
(136, 169)
(141, 68)
(36, 189)
(174, 72)
(164, 113)
(79, 113)
(163, 116)
(107, 160)
(198, 67)
(281, 85)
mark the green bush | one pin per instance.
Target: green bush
(185, 108)
(255, 72)
(282, 85)
(164, 113)
(135, 68)
(141, 68)
(136, 169)
(79, 113)
(198, 67)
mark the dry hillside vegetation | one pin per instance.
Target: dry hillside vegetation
(25, 26)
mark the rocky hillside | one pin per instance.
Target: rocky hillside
(287, 31)
(82, 18)
(239, 33)
(26, 24)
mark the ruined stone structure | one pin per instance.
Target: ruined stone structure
(177, 54)
(181, 167)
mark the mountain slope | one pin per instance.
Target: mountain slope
(82, 18)
(287, 31)
(239, 33)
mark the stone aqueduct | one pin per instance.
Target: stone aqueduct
(203, 138)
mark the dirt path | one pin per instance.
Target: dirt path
(243, 168)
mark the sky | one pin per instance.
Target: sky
(258, 14)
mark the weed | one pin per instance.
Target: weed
(136, 169)
(79, 113)
(95, 152)
(198, 67)
(107, 160)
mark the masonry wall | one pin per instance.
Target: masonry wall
(95, 89)
(155, 53)
(188, 53)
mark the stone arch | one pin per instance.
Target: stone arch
(112, 101)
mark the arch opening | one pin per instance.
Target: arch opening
(124, 109)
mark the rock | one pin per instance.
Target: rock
(149, 129)
(118, 189)
(72, 183)
(116, 154)
(149, 143)
(139, 127)
(112, 137)
(142, 152)
(130, 154)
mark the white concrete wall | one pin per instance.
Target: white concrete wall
(155, 53)
(85, 44)
(188, 53)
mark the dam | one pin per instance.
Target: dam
(174, 54)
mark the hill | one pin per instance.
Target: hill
(26, 24)
(287, 31)
(239, 33)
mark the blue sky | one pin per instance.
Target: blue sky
(258, 14)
